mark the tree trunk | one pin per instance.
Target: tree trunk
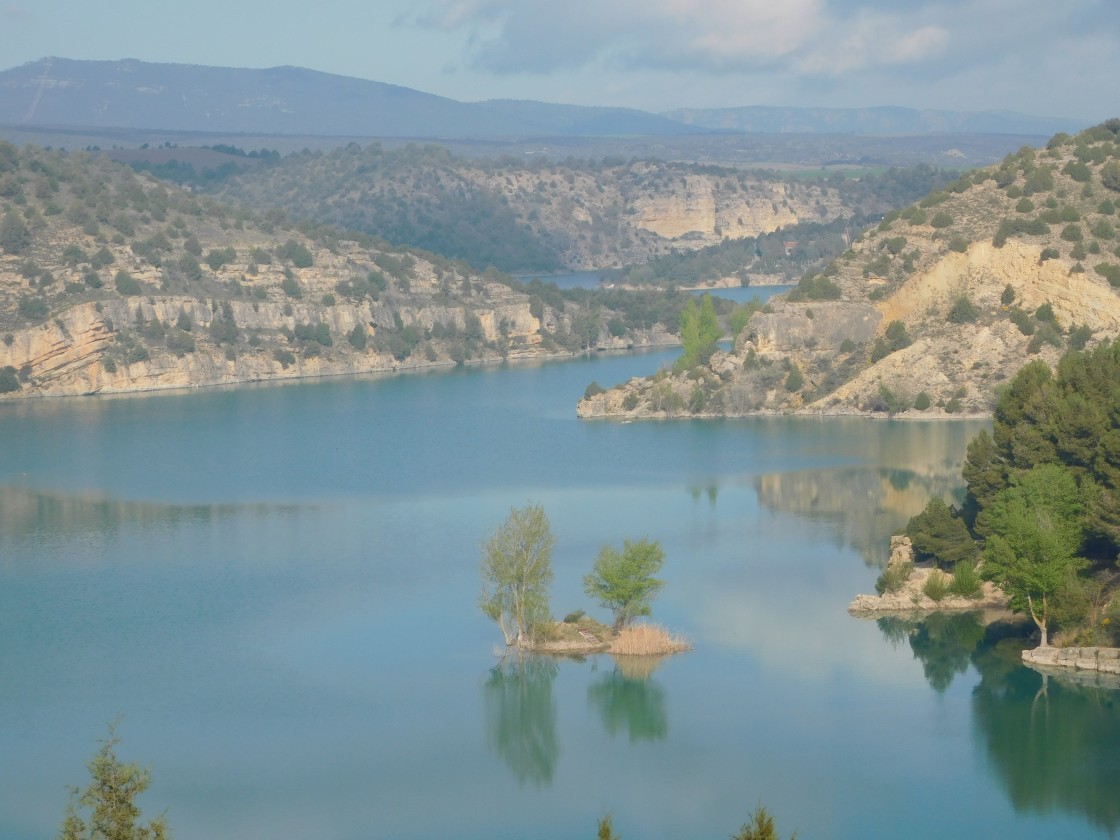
(1040, 622)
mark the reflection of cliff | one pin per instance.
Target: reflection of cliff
(1054, 744)
(629, 701)
(27, 512)
(868, 504)
(521, 717)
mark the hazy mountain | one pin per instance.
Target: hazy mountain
(881, 120)
(281, 100)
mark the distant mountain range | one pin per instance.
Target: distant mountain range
(296, 101)
(886, 120)
(283, 100)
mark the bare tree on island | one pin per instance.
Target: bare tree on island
(516, 573)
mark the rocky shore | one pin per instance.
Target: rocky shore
(911, 597)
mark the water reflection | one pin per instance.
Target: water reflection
(1053, 743)
(868, 504)
(27, 513)
(943, 642)
(521, 716)
(629, 701)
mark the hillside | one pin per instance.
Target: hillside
(111, 281)
(932, 311)
(551, 216)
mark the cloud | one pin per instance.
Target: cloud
(538, 36)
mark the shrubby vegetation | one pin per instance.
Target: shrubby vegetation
(1043, 496)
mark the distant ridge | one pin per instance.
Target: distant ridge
(888, 119)
(282, 100)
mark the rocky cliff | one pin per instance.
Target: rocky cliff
(111, 282)
(536, 215)
(932, 311)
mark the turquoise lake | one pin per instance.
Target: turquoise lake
(274, 588)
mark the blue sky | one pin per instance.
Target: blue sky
(1047, 57)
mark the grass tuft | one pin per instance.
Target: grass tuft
(647, 640)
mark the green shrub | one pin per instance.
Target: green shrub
(697, 399)
(966, 580)
(922, 401)
(592, 390)
(630, 401)
(285, 358)
(1078, 171)
(1079, 337)
(795, 381)
(34, 308)
(1049, 254)
(1025, 205)
(1022, 320)
(1008, 295)
(941, 220)
(894, 578)
(126, 284)
(180, 342)
(1109, 271)
(296, 252)
(9, 381)
(357, 337)
(936, 587)
(1103, 229)
(963, 311)
(1072, 233)
(291, 287)
(1110, 175)
(958, 244)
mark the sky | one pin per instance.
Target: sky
(1045, 57)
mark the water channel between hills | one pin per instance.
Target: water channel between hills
(276, 588)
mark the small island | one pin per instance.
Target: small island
(516, 571)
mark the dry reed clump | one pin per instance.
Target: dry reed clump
(647, 640)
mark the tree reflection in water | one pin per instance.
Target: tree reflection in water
(942, 642)
(628, 700)
(521, 716)
(1054, 743)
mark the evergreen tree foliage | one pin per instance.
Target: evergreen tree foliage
(111, 801)
(938, 533)
(15, 238)
(700, 333)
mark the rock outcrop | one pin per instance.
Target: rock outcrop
(911, 597)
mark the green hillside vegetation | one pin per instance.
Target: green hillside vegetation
(1043, 499)
(111, 279)
(546, 216)
(936, 308)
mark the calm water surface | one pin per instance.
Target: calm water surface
(275, 587)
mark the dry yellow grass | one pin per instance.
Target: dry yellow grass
(647, 640)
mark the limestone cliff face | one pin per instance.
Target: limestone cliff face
(628, 214)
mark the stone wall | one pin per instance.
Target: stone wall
(1102, 659)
